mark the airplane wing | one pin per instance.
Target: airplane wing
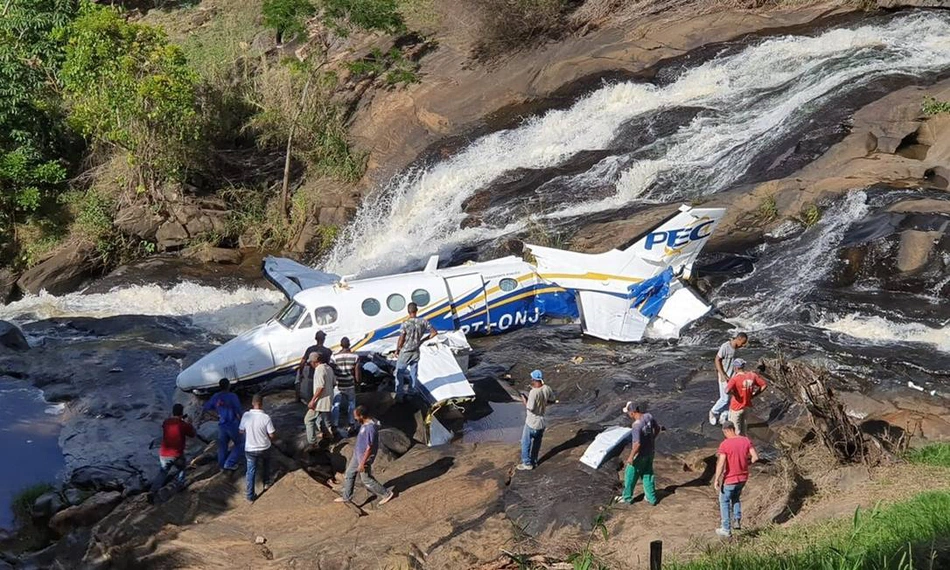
(292, 277)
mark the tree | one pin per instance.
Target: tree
(128, 87)
(287, 17)
(33, 137)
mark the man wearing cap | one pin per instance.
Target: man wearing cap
(724, 370)
(732, 472)
(640, 461)
(743, 386)
(320, 406)
(536, 402)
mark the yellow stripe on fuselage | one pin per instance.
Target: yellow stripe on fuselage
(590, 276)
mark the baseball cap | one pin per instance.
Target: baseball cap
(537, 375)
(631, 407)
(738, 363)
(728, 425)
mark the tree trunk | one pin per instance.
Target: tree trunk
(285, 188)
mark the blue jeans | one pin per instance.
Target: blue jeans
(227, 434)
(407, 368)
(531, 445)
(729, 503)
(370, 482)
(165, 466)
(339, 396)
(255, 460)
(722, 404)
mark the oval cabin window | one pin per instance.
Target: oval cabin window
(325, 316)
(508, 284)
(396, 302)
(420, 297)
(370, 307)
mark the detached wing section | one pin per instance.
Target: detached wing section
(292, 277)
(627, 294)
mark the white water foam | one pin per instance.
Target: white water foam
(876, 329)
(750, 99)
(783, 277)
(215, 310)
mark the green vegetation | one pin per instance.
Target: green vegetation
(128, 87)
(287, 17)
(767, 212)
(23, 500)
(100, 111)
(936, 454)
(900, 536)
(931, 106)
(809, 215)
(585, 558)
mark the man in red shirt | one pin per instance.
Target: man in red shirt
(732, 472)
(175, 430)
(742, 387)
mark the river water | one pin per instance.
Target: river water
(731, 117)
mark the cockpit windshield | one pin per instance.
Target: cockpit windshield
(290, 314)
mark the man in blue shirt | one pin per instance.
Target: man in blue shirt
(228, 407)
(640, 462)
(367, 444)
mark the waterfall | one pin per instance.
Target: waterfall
(749, 100)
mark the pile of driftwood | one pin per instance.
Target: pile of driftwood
(809, 386)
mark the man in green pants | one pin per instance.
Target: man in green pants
(640, 461)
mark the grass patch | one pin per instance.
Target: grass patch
(767, 212)
(932, 106)
(936, 454)
(809, 215)
(899, 536)
(213, 34)
(24, 499)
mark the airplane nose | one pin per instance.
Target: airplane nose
(189, 379)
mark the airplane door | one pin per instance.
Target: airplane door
(469, 303)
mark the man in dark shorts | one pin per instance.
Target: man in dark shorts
(412, 334)
(732, 472)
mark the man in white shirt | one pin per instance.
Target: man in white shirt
(259, 432)
(724, 371)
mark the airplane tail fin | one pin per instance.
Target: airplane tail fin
(675, 242)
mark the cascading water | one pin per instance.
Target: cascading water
(749, 100)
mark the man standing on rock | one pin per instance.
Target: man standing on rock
(320, 406)
(640, 461)
(348, 376)
(411, 336)
(305, 370)
(743, 386)
(536, 402)
(732, 472)
(724, 370)
(175, 431)
(367, 445)
(258, 429)
(228, 407)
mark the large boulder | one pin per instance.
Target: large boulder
(395, 441)
(47, 505)
(87, 513)
(12, 337)
(106, 477)
(208, 254)
(7, 285)
(171, 235)
(61, 273)
(138, 220)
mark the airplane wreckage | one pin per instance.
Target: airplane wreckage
(621, 295)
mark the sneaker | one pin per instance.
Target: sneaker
(524, 467)
(651, 503)
(621, 500)
(341, 500)
(387, 498)
(712, 418)
(737, 524)
(723, 532)
(252, 498)
(723, 417)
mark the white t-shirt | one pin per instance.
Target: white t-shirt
(256, 426)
